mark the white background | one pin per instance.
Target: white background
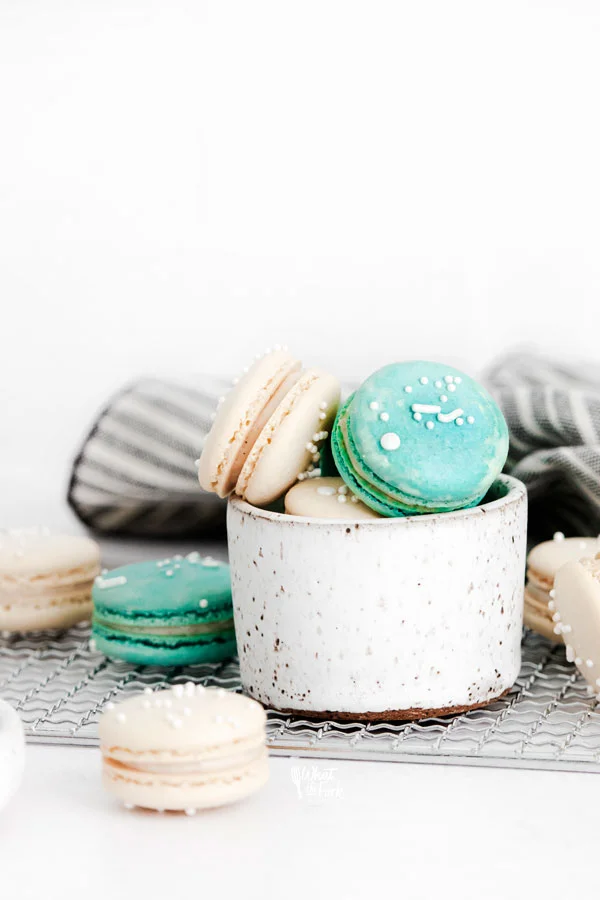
(185, 183)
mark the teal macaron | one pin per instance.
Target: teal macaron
(172, 612)
(419, 437)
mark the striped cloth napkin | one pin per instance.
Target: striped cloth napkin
(136, 474)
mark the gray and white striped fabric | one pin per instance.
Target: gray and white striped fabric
(136, 475)
(553, 415)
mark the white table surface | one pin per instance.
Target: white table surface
(419, 831)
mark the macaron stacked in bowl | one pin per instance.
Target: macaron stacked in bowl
(415, 438)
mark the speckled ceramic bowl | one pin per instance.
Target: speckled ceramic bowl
(382, 619)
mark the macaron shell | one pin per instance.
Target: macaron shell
(577, 600)
(164, 651)
(241, 417)
(178, 794)
(282, 452)
(544, 560)
(431, 454)
(320, 498)
(539, 623)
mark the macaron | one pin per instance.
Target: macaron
(184, 749)
(543, 562)
(419, 437)
(173, 612)
(269, 429)
(45, 579)
(12, 752)
(577, 616)
(326, 498)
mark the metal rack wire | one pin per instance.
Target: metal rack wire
(550, 719)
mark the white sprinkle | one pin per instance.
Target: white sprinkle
(578, 660)
(209, 562)
(177, 690)
(589, 663)
(558, 629)
(408, 389)
(556, 617)
(425, 408)
(302, 476)
(438, 384)
(567, 629)
(424, 379)
(342, 489)
(190, 811)
(570, 653)
(200, 689)
(92, 645)
(448, 379)
(203, 603)
(128, 805)
(353, 499)
(417, 417)
(451, 387)
(551, 605)
(110, 705)
(457, 379)
(176, 723)
(121, 717)
(169, 572)
(197, 461)
(148, 690)
(323, 405)
(373, 404)
(322, 416)
(311, 468)
(451, 416)
(390, 440)
(326, 491)
(193, 557)
(117, 581)
(341, 498)
(558, 536)
(470, 420)
(384, 416)
(443, 398)
(429, 425)
(460, 421)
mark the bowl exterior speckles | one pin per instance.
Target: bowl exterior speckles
(386, 618)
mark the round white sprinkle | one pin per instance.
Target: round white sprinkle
(556, 617)
(558, 629)
(567, 629)
(176, 723)
(408, 389)
(209, 562)
(457, 379)
(417, 417)
(373, 404)
(551, 605)
(470, 420)
(342, 489)
(128, 805)
(448, 379)
(429, 425)
(353, 499)
(197, 461)
(326, 491)
(451, 387)
(578, 660)
(322, 416)
(148, 690)
(190, 811)
(438, 384)
(558, 536)
(168, 572)
(110, 705)
(323, 405)
(384, 416)
(460, 421)
(203, 603)
(424, 379)
(341, 498)
(390, 440)
(589, 663)
(443, 398)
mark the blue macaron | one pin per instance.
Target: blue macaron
(420, 437)
(172, 612)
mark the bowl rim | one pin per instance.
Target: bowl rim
(516, 492)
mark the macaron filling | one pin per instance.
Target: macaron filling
(165, 630)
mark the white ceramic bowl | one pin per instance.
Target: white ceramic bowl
(385, 618)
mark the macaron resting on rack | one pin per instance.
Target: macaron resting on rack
(550, 719)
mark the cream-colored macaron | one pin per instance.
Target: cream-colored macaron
(269, 429)
(186, 748)
(45, 579)
(326, 498)
(544, 560)
(577, 616)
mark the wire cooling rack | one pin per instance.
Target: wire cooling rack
(550, 719)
